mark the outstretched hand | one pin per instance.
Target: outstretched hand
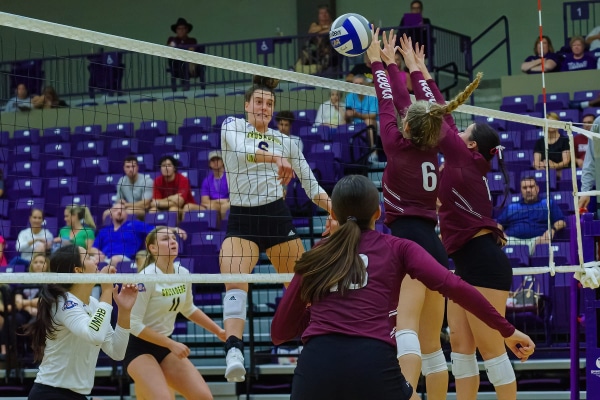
(374, 50)
(408, 53)
(388, 54)
(285, 173)
(520, 344)
(125, 298)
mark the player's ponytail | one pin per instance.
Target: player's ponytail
(151, 239)
(261, 83)
(64, 260)
(424, 119)
(335, 265)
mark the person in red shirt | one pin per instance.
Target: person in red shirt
(581, 141)
(171, 189)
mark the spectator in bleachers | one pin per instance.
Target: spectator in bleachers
(80, 227)
(559, 154)
(21, 101)
(284, 120)
(533, 64)
(214, 193)
(35, 239)
(171, 191)
(578, 59)
(134, 190)
(526, 222)
(584, 104)
(332, 112)
(179, 69)
(581, 141)
(593, 39)
(361, 109)
(590, 176)
(72, 327)
(156, 362)
(416, 7)
(362, 69)
(317, 54)
(3, 262)
(120, 240)
(48, 99)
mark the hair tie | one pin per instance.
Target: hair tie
(497, 150)
(351, 218)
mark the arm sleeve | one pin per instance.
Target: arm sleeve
(11, 105)
(556, 213)
(503, 217)
(319, 117)
(22, 244)
(399, 91)
(116, 342)
(148, 187)
(183, 187)
(138, 311)
(422, 266)
(188, 304)
(90, 234)
(385, 97)
(539, 146)
(588, 172)
(156, 194)
(204, 190)
(292, 315)
(93, 329)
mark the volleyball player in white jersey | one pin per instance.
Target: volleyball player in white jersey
(71, 328)
(258, 161)
(157, 363)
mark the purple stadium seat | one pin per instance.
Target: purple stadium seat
(56, 150)
(119, 130)
(530, 137)
(561, 251)
(204, 124)
(313, 135)
(4, 208)
(87, 171)
(527, 100)
(167, 218)
(569, 115)
(106, 183)
(183, 158)
(55, 135)
(145, 162)
(559, 97)
(519, 126)
(123, 147)
(159, 125)
(90, 131)
(78, 199)
(517, 254)
(25, 136)
(5, 229)
(199, 221)
(496, 182)
(192, 176)
(90, 148)
(126, 267)
(591, 110)
(4, 155)
(498, 124)
(565, 201)
(4, 137)
(22, 169)
(201, 160)
(19, 215)
(27, 187)
(566, 181)
(511, 198)
(551, 106)
(58, 168)
(58, 187)
(585, 95)
(510, 139)
(325, 161)
(27, 152)
(304, 118)
(186, 262)
(200, 141)
(205, 251)
(167, 144)
(221, 118)
(540, 178)
(355, 148)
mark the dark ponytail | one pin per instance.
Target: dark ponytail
(64, 260)
(261, 83)
(488, 143)
(337, 262)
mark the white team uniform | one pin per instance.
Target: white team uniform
(158, 304)
(252, 183)
(82, 330)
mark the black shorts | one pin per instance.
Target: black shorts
(481, 262)
(44, 392)
(340, 367)
(422, 232)
(267, 225)
(136, 347)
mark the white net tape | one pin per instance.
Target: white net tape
(588, 273)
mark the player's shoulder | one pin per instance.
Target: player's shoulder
(231, 122)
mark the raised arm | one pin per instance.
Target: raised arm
(399, 90)
(291, 317)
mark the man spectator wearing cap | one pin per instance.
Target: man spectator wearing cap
(285, 119)
(214, 193)
(181, 69)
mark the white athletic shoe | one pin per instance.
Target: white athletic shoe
(235, 371)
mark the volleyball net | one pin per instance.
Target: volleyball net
(56, 157)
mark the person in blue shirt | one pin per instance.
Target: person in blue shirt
(21, 101)
(122, 239)
(361, 109)
(526, 222)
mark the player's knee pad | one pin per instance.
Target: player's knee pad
(407, 342)
(234, 304)
(464, 365)
(433, 362)
(499, 370)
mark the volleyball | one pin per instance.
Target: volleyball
(350, 35)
